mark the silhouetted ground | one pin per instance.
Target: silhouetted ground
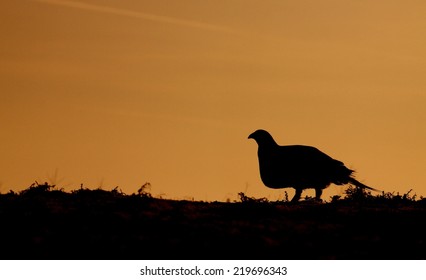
(43, 223)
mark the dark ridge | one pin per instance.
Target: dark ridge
(42, 222)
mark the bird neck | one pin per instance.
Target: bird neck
(268, 143)
(267, 147)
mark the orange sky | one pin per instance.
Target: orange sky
(119, 93)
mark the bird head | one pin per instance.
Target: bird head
(262, 137)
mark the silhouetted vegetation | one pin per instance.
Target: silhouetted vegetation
(43, 222)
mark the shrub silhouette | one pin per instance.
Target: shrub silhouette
(43, 222)
(37, 188)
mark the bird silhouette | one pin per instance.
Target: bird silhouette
(299, 167)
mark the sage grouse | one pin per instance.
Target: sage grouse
(299, 167)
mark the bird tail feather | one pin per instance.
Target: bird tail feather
(361, 185)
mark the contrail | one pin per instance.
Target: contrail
(140, 15)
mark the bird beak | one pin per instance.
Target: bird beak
(250, 136)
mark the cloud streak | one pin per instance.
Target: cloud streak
(138, 15)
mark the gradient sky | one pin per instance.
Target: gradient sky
(119, 93)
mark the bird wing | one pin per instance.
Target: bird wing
(305, 156)
(302, 166)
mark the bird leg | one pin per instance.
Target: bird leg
(297, 195)
(318, 193)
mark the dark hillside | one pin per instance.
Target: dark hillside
(43, 223)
